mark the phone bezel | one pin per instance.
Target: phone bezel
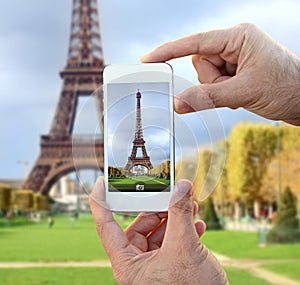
(139, 201)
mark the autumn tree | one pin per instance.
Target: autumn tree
(251, 147)
(23, 199)
(40, 202)
(205, 181)
(5, 197)
(221, 196)
(284, 171)
(186, 168)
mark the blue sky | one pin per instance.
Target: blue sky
(34, 38)
(121, 120)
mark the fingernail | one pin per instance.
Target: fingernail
(96, 193)
(185, 187)
(144, 57)
(100, 178)
(181, 106)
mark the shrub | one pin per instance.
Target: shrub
(210, 216)
(285, 228)
(5, 197)
(23, 199)
(40, 202)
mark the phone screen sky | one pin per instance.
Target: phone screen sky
(138, 137)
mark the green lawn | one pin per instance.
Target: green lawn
(242, 277)
(127, 184)
(288, 269)
(57, 276)
(25, 241)
(91, 276)
(244, 245)
(35, 242)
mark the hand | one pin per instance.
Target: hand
(239, 67)
(161, 248)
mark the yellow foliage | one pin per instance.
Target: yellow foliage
(40, 202)
(23, 199)
(186, 168)
(162, 169)
(5, 196)
(285, 166)
(251, 148)
(206, 176)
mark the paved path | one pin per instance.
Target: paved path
(96, 263)
(250, 265)
(160, 182)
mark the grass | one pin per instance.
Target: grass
(91, 276)
(128, 184)
(24, 241)
(289, 269)
(238, 276)
(244, 245)
(57, 276)
(35, 242)
(27, 241)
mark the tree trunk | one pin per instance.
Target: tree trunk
(257, 209)
(237, 210)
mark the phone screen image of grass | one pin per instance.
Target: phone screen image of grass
(128, 184)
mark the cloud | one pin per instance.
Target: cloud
(279, 18)
(34, 41)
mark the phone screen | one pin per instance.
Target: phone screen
(139, 136)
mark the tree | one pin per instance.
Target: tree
(210, 216)
(113, 172)
(186, 168)
(5, 197)
(251, 148)
(40, 202)
(206, 178)
(285, 165)
(285, 228)
(23, 199)
(221, 196)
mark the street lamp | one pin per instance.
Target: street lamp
(25, 164)
(278, 147)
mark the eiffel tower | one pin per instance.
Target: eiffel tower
(60, 153)
(139, 142)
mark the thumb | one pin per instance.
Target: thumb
(233, 93)
(180, 223)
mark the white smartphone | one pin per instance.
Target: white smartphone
(138, 137)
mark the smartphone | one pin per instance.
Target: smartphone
(138, 137)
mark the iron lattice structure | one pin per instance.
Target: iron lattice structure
(138, 142)
(60, 153)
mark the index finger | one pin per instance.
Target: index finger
(112, 236)
(225, 42)
(212, 42)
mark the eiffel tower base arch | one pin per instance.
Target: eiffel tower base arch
(59, 158)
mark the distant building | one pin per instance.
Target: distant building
(65, 192)
(70, 194)
(13, 183)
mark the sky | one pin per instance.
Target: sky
(34, 36)
(121, 121)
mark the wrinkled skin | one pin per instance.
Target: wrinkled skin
(238, 67)
(160, 248)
